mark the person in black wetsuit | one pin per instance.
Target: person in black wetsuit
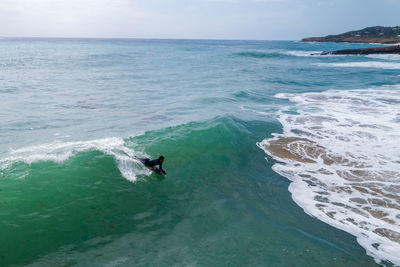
(151, 163)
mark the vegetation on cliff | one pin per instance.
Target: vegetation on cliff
(377, 34)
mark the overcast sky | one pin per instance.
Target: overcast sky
(210, 19)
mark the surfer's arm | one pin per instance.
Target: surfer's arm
(162, 170)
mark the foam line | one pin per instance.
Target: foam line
(341, 152)
(61, 151)
(365, 64)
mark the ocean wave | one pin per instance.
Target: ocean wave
(386, 57)
(303, 53)
(283, 53)
(59, 152)
(341, 153)
(261, 54)
(391, 57)
(365, 64)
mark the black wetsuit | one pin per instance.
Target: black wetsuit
(153, 162)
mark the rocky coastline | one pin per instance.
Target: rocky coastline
(377, 34)
(365, 51)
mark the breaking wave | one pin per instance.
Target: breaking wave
(59, 152)
(341, 149)
(365, 64)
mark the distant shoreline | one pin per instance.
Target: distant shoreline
(371, 35)
(394, 49)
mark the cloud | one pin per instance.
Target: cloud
(224, 1)
(222, 19)
(270, 1)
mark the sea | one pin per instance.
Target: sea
(275, 155)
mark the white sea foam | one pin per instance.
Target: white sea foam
(62, 151)
(394, 57)
(341, 151)
(388, 57)
(303, 53)
(364, 64)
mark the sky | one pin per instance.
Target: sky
(193, 19)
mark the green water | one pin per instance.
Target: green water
(219, 205)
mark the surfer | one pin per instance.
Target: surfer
(151, 163)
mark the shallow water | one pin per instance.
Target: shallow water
(76, 112)
(340, 152)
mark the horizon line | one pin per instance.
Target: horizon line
(140, 38)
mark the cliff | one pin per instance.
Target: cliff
(377, 34)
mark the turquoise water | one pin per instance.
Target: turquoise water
(76, 112)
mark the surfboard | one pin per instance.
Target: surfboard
(158, 171)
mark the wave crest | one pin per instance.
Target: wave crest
(62, 151)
